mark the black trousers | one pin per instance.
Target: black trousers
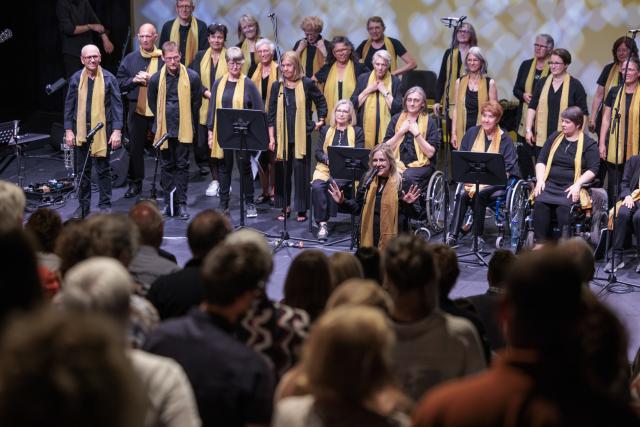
(226, 167)
(323, 204)
(614, 173)
(103, 168)
(625, 218)
(463, 201)
(201, 150)
(175, 170)
(138, 127)
(527, 158)
(542, 215)
(300, 183)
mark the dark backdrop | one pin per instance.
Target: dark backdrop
(32, 58)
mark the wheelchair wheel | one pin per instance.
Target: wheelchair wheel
(499, 242)
(517, 202)
(599, 222)
(435, 202)
(423, 232)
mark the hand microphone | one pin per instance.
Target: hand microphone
(95, 130)
(161, 141)
(369, 180)
(53, 87)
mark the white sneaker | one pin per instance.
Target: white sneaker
(213, 189)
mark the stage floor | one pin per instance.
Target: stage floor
(43, 163)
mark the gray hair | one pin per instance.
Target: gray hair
(384, 55)
(477, 52)
(266, 42)
(246, 236)
(548, 39)
(352, 112)
(234, 54)
(12, 204)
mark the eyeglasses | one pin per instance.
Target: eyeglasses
(91, 57)
(235, 63)
(556, 63)
(540, 46)
(184, 7)
(172, 58)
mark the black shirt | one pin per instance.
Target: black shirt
(397, 46)
(203, 43)
(131, 65)
(311, 54)
(175, 294)
(72, 13)
(407, 146)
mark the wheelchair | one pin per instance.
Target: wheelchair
(432, 201)
(588, 223)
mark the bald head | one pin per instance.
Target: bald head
(90, 57)
(147, 36)
(90, 49)
(148, 218)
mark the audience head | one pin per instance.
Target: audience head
(446, 263)
(500, 265)
(45, 226)
(369, 257)
(308, 282)
(147, 217)
(12, 204)
(64, 369)
(343, 266)
(582, 254)
(263, 257)
(207, 230)
(354, 292)
(347, 358)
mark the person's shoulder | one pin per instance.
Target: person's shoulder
(193, 74)
(457, 326)
(167, 25)
(153, 364)
(294, 411)
(201, 23)
(108, 74)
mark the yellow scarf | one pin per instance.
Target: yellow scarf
(318, 60)
(237, 104)
(257, 79)
(455, 67)
(478, 147)
(142, 106)
(388, 213)
(322, 170)
(192, 38)
(461, 109)
(331, 86)
(185, 127)
(528, 88)
(542, 114)
(613, 78)
(300, 132)
(388, 46)
(98, 114)
(372, 105)
(631, 139)
(423, 125)
(205, 77)
(246, 51)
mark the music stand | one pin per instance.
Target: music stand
(348, 163)
(8, 137)
(248, 132)
(478, 168)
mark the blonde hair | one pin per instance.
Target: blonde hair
(352, 112)
(360, 292)
(312, 23)
(250, 19)
(293, 57)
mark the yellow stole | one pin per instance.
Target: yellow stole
(478, 147)
(373, 104)
(300, 132)
(612, 79)
(237, 104)
(142, 105)
(461, 109)
(631, 139)
(205, 77)
(331, 86)
(635, 196)
(322, 170)
(246, 51)
(185, 127)
(257, 79)
(388, 213)
(423, 125)
(542, 114)
(318, 60)
(388, 45)
(98, 114)
(528, 88)
(455, 67)
(192, 39)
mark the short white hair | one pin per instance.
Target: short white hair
(384, 55)
(12, 204)
(266, 42)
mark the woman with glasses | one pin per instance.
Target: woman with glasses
(377, 41)
(312, 49)
(233, 90)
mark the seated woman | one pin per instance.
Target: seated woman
(486, 138)
(382, 205)
(414, 139)
(568, 160)
(340, 133)
(627, 212)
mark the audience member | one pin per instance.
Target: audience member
(174, 294)
(62, 369)
(102, 285)
(361, 292)
(12, 204)
(432, 346)
(44, 225)
(548, 375)
(582, 254)
(148, 265)
(369, 257)
(347, 364)
(232, 383)
(308, 283)
(343, 266)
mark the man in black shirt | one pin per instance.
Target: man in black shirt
(190, 33)
(93, 97)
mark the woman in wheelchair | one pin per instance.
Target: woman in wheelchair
(382, 204)
(341, 133)
(486, 138)
(568, 160)
(627, 211)
(414, 139)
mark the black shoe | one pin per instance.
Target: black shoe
(204, 170)
(620, 265)
(181, 211)
(134, 189)
(81, 212)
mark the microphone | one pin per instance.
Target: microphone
(451, 21)
(161, 141)
(637, 30)
(95, 130)
(369, 180)
(53, 87)
(271, 15)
